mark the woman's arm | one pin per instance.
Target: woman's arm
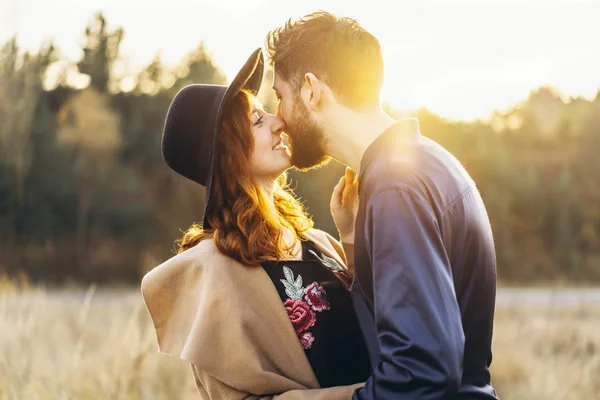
(344, 205)
(338, 392)
(211, 388)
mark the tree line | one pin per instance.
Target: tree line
(86, 196)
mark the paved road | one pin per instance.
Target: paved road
(546, 296)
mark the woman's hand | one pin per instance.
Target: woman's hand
(344, 205)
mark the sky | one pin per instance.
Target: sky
(460, 59)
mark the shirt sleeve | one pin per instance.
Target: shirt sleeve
(418, 321)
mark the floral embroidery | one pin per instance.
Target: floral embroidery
(315, 297)
(338, 271)
(293, 289)
(345, 278)
(302, 304)
(306, 340)
(300, 314)
(327, 261)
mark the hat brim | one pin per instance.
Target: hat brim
(248, 78)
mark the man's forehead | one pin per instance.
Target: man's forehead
(278, 81)
(256, 105)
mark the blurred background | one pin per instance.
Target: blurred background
(87, 204)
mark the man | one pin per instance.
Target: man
(425, 263)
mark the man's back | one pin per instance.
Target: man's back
(425, 271)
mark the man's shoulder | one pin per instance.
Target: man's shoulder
(398, 166)
(420, 167)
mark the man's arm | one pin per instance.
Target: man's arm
(416, 313)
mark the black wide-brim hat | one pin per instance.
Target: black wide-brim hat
(193, 124)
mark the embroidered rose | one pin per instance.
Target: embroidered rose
(302, 304)
(306, 340)
(315, 296)
(345, 278)
(300, 314)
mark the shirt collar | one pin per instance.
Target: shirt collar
(404, 128)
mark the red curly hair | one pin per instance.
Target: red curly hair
(243, 225)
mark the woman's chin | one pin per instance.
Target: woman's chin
(288, 158)
(279, 171)
(286, 168)
(284, 163)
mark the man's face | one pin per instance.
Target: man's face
(308, 141)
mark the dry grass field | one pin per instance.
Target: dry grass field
(98, 344)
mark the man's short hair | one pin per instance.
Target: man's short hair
(337, 50)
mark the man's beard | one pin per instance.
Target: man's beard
(308, 143)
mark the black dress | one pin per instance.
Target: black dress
(316, 294)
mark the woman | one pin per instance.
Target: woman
(256, 300)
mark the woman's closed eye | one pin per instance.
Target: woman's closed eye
(259, 120)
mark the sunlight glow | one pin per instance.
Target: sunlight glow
(459, 59)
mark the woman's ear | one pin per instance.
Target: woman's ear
(312, 89)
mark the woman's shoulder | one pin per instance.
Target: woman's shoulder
(193, 255)
(322, 238)
(328, 245)
(186, 265)
(314, 233)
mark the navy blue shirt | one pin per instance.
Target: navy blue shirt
(425, 264)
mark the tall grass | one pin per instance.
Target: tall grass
(99, 344)
(83, 345)
(550, 352)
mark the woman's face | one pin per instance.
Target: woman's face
(270, 157)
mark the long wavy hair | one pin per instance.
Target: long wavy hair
(243, 225)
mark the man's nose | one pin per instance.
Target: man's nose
(278, 125)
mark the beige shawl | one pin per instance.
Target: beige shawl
(228, 321)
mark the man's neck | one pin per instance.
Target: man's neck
(350, 133)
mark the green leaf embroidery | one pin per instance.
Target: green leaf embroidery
(293, 289)
(328, 262)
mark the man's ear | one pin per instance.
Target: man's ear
(312, 90)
